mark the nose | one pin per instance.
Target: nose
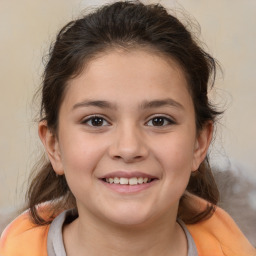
(128, 144)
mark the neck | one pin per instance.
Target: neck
(90, 236)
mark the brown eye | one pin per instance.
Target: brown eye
(160, 121)
(95, 121)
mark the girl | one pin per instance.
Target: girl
(126, 125)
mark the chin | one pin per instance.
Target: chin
(130, 221)
(129, 216)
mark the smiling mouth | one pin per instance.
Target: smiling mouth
(128, 181)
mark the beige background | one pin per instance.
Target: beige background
(28, 26)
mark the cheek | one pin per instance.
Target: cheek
(80, 154)
(80, 160)
(176, 153)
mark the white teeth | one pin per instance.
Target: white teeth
(140, 180)
(133, 181)
(116, 180)
(145, 180)
(126, 181)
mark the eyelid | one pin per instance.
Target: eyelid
(171, 120)
(90, 117)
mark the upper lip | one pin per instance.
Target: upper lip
(126, 174)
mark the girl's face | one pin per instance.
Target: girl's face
(128, 118)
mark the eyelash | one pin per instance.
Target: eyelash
(91, 118)
(166, 121)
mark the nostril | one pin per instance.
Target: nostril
(128, 158)
(127, 151)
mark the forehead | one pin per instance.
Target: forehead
(120, 74)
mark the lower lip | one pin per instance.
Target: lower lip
(128, 189)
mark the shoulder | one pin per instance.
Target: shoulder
(219, 235)
(22, 237)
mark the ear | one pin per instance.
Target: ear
(202, 144)
(51, 145)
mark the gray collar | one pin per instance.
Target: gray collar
(192, 251)
(55, 245)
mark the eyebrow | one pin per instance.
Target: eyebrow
(144, 105)
(95, 103)
(161, 103)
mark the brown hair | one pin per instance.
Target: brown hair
(126, 25)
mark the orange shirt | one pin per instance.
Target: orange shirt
(217, 236)
(220, 236)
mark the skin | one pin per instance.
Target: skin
(128, 139)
